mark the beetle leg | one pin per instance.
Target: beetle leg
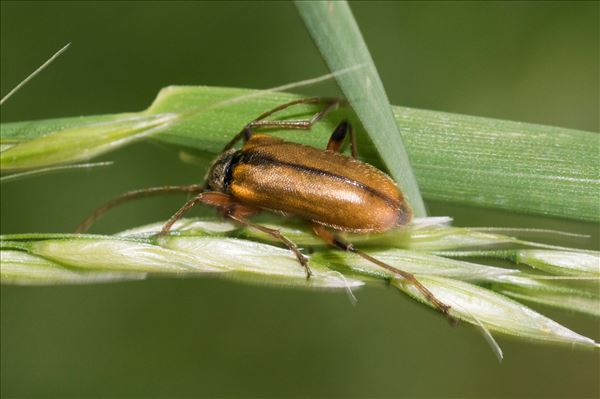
(308, 100)
(211, 198)
(335, 241)
(130, 196)
(277, 234)
(339, 134)
(304, 124)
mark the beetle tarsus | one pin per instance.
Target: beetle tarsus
(304, 263)
(134, 195)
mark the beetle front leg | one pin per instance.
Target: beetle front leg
(212, 198)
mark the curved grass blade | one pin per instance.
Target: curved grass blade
(334, 29)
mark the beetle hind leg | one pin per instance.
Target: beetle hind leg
(335, 241)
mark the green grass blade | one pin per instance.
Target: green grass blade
(504, 164)
(470, 160)
(334, 29)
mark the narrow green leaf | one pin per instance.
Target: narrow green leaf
(334, 29)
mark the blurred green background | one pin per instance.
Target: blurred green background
(535, 62)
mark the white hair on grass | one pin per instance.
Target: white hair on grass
(351, 297)
(489, 338)
(318, 79)
(259, 93)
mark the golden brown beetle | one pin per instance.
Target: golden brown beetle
(326, 188)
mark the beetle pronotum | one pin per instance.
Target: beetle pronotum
(330, 190)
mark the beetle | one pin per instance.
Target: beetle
(330, 190)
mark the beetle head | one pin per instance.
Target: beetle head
(219, 174)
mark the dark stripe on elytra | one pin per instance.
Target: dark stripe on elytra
(256, 158)
(235, 159)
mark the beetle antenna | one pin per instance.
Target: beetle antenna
(134, 195)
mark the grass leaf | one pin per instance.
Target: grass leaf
(336, 33)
